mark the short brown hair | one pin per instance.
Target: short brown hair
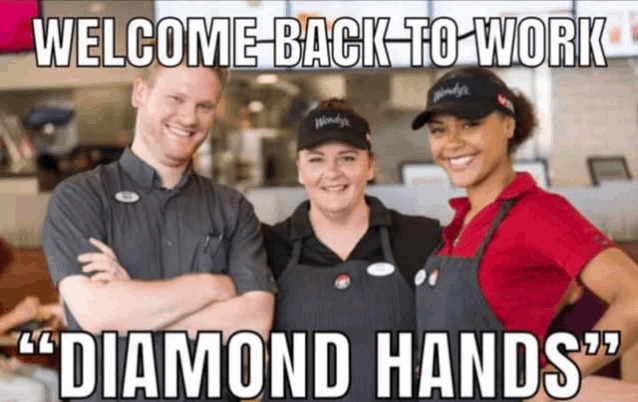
(148, 73)
(336, 104)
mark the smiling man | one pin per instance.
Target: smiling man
(146, 244)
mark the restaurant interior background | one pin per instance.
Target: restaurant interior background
(585, 113)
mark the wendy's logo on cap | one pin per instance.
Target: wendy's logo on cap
(325, 120)
(503, 101)
(457, 91)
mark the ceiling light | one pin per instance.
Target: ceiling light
(96, 7)
(256, 106)
(267, 78)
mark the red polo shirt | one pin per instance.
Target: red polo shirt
(541, 245)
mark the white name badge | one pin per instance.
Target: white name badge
(380, 269)
(419, 278)
(127, 197)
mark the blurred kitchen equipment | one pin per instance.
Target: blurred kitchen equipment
(608, 168)
(268, 150)
(18, 145)
(55, 129)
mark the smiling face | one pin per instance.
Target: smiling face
(335, 176)
(175, 111)
(471, 151)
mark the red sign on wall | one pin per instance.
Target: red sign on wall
(16, 32)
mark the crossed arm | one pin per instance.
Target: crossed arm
(111, 300)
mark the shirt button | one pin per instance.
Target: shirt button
(170, 243)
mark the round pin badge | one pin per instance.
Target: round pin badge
(380, 269)
(433, 277)
(127, 197)
(419, 277)
(342, 281)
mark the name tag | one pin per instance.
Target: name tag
(380, 269)
(419, 278)
(127, 197)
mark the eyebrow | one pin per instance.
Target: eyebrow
(348, 151)
(184, 95)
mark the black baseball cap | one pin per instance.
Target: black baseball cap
(327, 124)
(467, 98)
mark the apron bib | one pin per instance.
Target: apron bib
(355, 298)
(448, 298)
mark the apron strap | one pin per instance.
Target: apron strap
(505, 207)
(385, 243)
(296, 252)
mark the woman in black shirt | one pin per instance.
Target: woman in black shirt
(342, 260)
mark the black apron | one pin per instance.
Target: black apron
(448, 298)
(345, 298)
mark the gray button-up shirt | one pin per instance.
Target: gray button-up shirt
(156, 233)
(198, 226)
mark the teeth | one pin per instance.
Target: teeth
(179, 132)
(335, 188)
(461, 162)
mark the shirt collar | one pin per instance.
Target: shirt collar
(144, 175)
(522, 183)
(301, 227)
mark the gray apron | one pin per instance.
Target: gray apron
(345, 298)
(158, 367)
(448, 298)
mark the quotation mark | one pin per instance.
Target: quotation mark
(44, 345)
(611, 339)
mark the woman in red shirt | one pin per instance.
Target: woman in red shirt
(512, 250)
